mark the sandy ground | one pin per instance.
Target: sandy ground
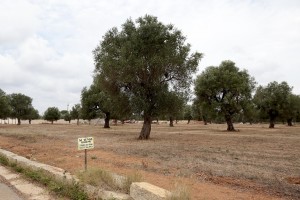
(253, 163)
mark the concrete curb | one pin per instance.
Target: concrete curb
(138, 191)
(27, 189)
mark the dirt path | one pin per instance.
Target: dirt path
(161, 161)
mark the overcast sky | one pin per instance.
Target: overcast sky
(46, 45)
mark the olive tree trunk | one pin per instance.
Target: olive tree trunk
(19, 121)
(106, 120)
(229, 123)
(289, 122)
(171, 122)
(272, 121)
(146, 129)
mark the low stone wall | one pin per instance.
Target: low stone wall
(138, 190)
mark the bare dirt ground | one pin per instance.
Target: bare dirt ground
(253, 163)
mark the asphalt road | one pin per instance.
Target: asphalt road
(7, 193)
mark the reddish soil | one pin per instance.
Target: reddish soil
(254, 163)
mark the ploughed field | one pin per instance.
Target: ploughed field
(253, 163)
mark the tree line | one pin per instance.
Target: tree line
(145, 71)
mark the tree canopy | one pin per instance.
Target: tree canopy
(143, 60)
(4, 105)
(224, 89)
(75, 113)
(52, 114)
(20, 106)
(273, 100)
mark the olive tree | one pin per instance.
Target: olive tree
(112, 104)
(142, 59)
(224, 89)
(75, 113)
(52, 114)
(20, 106)
(4, 105)
(31, 115)
(273, 100)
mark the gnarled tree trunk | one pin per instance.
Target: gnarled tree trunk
(272, 121)
(19, 121)
(289, 122)
(272, 116)
(146, 129)
(171, 122)
(204, 120)
(29, 121)
(106, 120)
(229, 123)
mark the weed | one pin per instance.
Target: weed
(134, 177)
(4, 161)
(94, 157)
(97, 177)
(103, 178)
(180, 192)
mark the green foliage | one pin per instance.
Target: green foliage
(75, 113)
(224, 89)
(188, 112)
(88, 98)
(5, 108)
(291, 109)
(4, 160)
(52, 114)
(31, 115)
(20, 105)
(141, 61)
(275, 100)
(171, 104)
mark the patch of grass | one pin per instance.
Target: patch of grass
(4, 161)
(181, 192)
(98, 177)
(72, 190)
(102, 178)
(134, 177)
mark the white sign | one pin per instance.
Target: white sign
(85, 143)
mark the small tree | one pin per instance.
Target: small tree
(67, 117)
(224, 89)
(171, 104)
(32, 114)
(52, 114)
(20, 105)
(291, 109)
(188, 113)
(75, 112)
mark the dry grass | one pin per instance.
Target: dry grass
(106, 180)
(180, 192)
(255, 157)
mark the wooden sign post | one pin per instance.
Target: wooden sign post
(85, 144)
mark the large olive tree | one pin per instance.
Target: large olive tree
(224, 89)
(143, 59)
(20, 106)
(274, 100)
